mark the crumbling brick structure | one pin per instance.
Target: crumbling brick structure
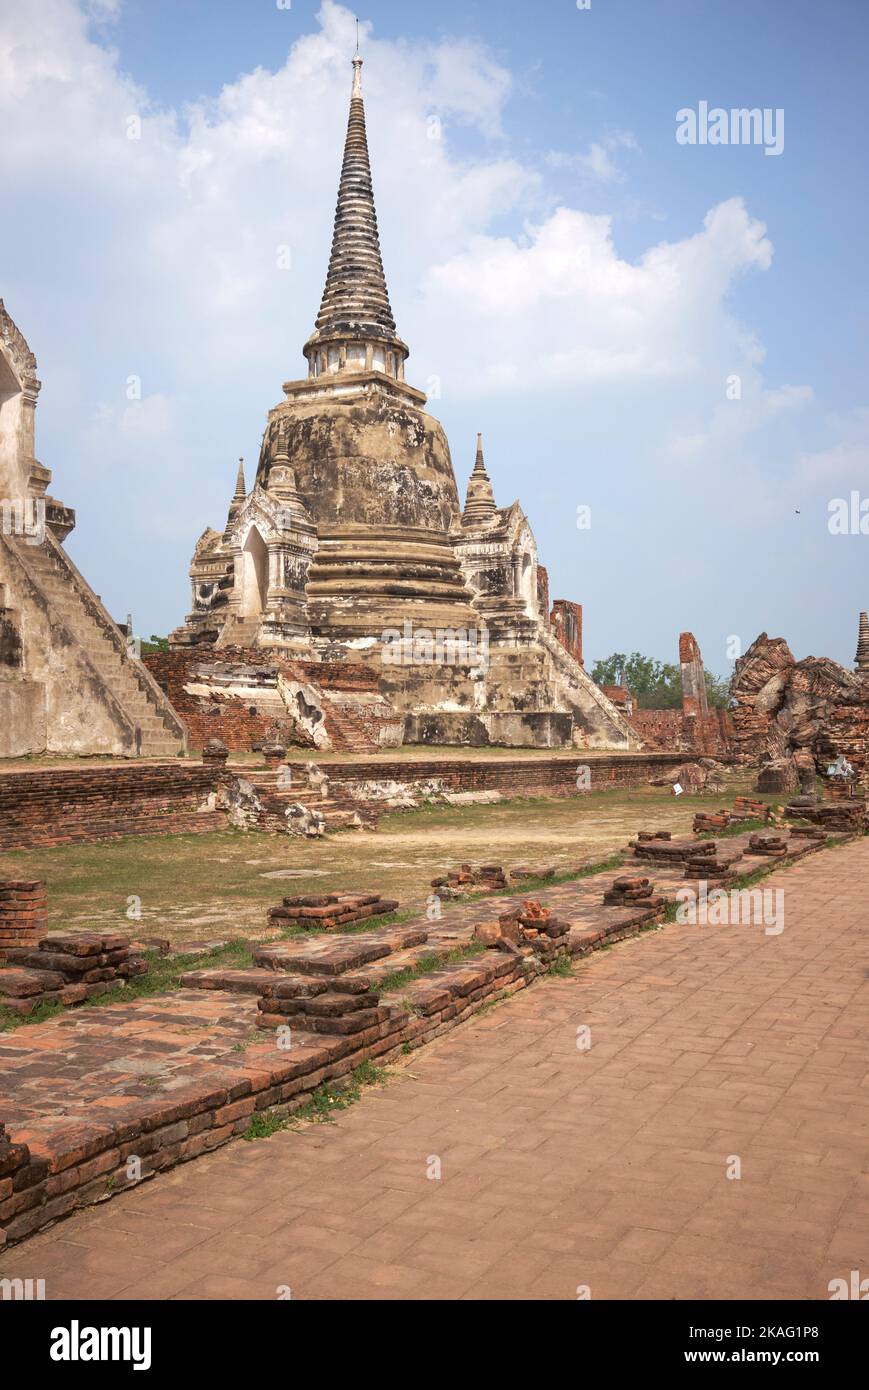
(695, 728)
(249, 697)
(23, 913)
(567, 626)
(788, 711)
(694, 701)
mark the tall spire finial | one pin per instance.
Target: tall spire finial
(238, 498)
(355, 329)
(861, 660)
(357, 67)
(480, 499)
(479, 462)
(240, 485)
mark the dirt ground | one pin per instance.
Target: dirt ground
(189, 887)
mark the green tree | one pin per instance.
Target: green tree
(656, 684)
(718, 691)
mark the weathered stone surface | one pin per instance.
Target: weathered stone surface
(351, 545)
(70, 683)
(799, 714)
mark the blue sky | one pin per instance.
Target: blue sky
(577, 284)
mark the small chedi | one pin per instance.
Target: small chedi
(352, 545)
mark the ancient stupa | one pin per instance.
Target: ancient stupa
(352, 544)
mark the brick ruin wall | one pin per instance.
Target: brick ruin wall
(238, 723)
(80, 806)
(511, 777)
(813, 710)
(708, 735)
(566, 622)
(77, 806)
(695, 728)
(23, 913)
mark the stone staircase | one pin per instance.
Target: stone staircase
(603, 721)
(338, 812)
(140, 707)
(347, 733)
(239, 632)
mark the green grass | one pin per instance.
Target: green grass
(216, 884)
(10, 1020)
(522, 887)
(399, 979)
(390, 919)
(322, 1103)
(562, 967)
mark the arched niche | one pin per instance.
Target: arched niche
(255, 586)
(528, 584)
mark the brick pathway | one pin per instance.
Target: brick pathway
(560, 1167)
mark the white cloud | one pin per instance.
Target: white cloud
(845, 464)
(158, 257)
(560, 305)
(598, 161)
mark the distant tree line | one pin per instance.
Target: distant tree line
(656, 684)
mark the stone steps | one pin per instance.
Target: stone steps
(108, 656)
(338, 953)
(338, 812)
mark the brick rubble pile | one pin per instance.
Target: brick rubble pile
(489, 877)
(330, 911)
(632, 892)
(67, 968)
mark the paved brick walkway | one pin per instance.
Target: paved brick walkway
(560, 1167)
